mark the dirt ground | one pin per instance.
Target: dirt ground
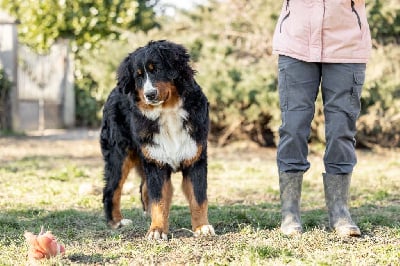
(76, 143)
(83, 143)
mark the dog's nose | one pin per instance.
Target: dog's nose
(151, 95)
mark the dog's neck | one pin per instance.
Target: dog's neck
(160, 112)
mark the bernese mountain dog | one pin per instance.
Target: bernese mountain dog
(156, 121)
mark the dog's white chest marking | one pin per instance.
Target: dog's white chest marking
(173, 143)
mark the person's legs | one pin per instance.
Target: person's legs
(341, 91)
(298, 88)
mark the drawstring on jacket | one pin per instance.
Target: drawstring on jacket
(355, 12)
(285, 17)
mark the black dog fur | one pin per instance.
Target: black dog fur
(156, 121)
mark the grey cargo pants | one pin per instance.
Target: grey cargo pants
(299, 83)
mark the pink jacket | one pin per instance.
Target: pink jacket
(329, 31)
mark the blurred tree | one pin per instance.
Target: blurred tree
(87, 24)
(84, 22)
(384, 21)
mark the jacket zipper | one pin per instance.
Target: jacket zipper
(355, 12)
(285, 17)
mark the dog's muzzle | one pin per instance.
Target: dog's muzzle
(151, 98)
(151, 95)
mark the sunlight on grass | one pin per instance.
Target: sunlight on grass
(267, 252)
(67, 173)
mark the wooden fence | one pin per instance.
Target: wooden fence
(42, 95)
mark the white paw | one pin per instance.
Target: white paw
(123, 222)
(156, 235)
(204, 230)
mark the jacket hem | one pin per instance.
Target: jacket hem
(323, 59)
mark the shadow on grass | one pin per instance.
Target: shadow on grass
(71, 227)
(82, 258)
(76, 225)
(89, 227)
(367, 217)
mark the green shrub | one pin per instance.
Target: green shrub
(5, 88)
(379, 123)
(86, 105)
(384, 20)
(95, 76)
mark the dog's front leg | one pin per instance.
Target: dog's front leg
(194, 186)
(160, 192)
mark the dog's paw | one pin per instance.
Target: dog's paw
(156, 234)
(204, 230)
(122, 223)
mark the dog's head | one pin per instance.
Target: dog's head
(151, 72)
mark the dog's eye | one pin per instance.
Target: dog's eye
(139, 72)
(151, 67)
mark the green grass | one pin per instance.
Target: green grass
(41, 185)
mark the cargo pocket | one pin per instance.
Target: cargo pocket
(282, 87)
(355, 95)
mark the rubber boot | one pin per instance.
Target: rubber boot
(336, 196)
(290, 194)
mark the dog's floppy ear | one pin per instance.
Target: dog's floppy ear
(125, 80)
(177, 58)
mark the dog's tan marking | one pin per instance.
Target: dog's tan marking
(147, 155)
(130, 161)
(144, 195)
(160, 213)
(198, 212)
(169, 94)
(139, 71)
(151, 67)
(141, 103)
(189, 162)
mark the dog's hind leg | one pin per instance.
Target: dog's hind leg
(144, 194)
(194, 186)
(116, 172)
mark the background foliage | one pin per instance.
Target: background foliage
(88, 24)
(85, 22)
(5, 87)
(230, 43)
